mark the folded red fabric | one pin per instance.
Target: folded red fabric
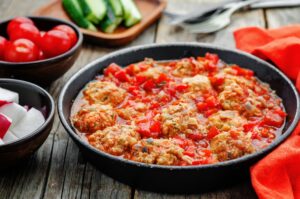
(280, 45)
(276, 176)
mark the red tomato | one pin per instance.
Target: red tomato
(213, 57)
(122, 76)
(16, 22)
(181, 87)
(70, 32)
(242, 71)
(55, 42)
(112, 69)
(273, 119)
(3, 43)
(25, 31)
(21, 50)
(213, 131)
(155, 126)
(194, 136)
(149, 85)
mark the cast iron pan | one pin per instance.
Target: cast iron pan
(177, 179)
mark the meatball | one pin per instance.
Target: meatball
(198, 83)
(157, 151)
(94, 117)
(104, 93)
(231, 145)
(226, 120)
(187, 67)
(180, 118)
(116, 140)
(237, 97)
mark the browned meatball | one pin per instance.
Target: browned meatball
(179, 118)
(226, 120)
(227, 146)
(94, 117)
(157, 151)
(115, 140)
(104, 93)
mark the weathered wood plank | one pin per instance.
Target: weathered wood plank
(282, 16)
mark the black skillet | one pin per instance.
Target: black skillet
(177, 179)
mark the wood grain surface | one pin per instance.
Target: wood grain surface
(58, 169)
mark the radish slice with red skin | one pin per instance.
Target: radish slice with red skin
(31, 122)
(9, 137)
(1, 142)
(2, 102)
(14, 111)
(9, 96)
(5, 123)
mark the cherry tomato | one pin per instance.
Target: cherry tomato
(70, 32)
(21, 50)
(16, 22)
(25, 31)
(3, 43)
(55, 42)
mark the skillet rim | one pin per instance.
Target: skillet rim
(131, 50)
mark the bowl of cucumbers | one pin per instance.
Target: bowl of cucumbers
(109, 22)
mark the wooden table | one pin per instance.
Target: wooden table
(58, 169)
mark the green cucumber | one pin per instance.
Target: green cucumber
(111, 21)
(93, 10)
(73, 9)
(132, 15)
(116, 7)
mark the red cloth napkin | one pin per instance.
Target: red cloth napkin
(277, 176)
(280, 45)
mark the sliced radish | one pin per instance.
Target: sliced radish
(5, 123)
(9, 96)
(14, 111)
(31, 122)
(9, 137)
(1, 142)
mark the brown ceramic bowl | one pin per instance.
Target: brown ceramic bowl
(44, 71)
(33, 96)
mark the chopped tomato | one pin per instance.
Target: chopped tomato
(112, 69)
(181, 87)
(217, 80)
(189, 153)
(200, 162)
(213, 131)
(194, 136)
(133, 90)
(162, 78)
(273, 119)
(149, 85)
(242, 71)
(155, 126)
(210, 112)
(130, 70)
(249, 126)
(213, 57)
(234, 135)
(122, 76)
(140, 79)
